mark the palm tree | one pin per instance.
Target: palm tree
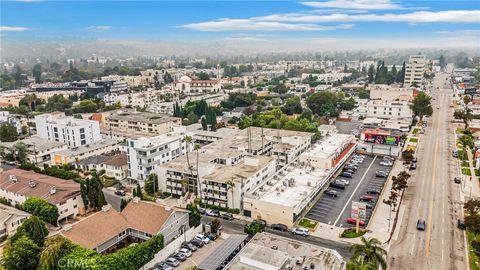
(197, 147)
(187, 140)
(184, 184)
(369, 252)
(360, 264)
(230, 186)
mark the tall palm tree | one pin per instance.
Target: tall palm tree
(230, 186)
(184, 183)
(197, 147)
(187, 140)
(361, 264)
(369, 252)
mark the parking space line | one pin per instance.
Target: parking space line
(354, 191)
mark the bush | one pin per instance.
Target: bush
(5, 201)
(351, 233)
(308, 223)
(252, 228)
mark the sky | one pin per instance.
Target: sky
(331, 23)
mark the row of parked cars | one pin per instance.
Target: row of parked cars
(283, 227)
(185, 251)
(215, 213)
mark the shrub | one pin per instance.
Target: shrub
(252, 228)
(41, 208)
(351, 233)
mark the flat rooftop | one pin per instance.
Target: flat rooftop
(143, 117)
(271, 251)
(39, 143)
(87, 148)
(329, 146)
(238, 172)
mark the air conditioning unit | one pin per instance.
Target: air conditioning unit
(12, 178)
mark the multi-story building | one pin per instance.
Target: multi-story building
(415, 69)
(17, 185)
(389, 109)
(145, 153)
(187, 86)
(130, 121)
(76, 154)
(107, 230)
(10, 219)
(390, 93)
(136, 99)
(40, 151)
(6, 118)
(71, 131)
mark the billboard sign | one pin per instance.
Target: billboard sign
(359, 210)
(382, 139)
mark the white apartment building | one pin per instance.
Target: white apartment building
(130, 122)
(18, 185)
(71, 131)
(146, 153)
(40, 150)
(414, 69)
(10, 219)
(389, 109)
(136, 99)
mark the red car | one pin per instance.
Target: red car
(354, 221)
(366, 198)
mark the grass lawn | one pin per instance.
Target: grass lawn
(466, 171)
(414, 140)
(350, 233)
(416, 130)
(465, 164)
(473, 258)
(108, 181)
(308, 223)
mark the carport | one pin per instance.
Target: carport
(223, 253)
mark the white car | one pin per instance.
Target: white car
(202, 238)
(185, 252)
(386, 163)
(300, 231)
(344, 181)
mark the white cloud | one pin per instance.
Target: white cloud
(354, 4)
(463, 32)
(247, 38)
(13, 29)
(259, 25)
(447, 16)
(99, 28)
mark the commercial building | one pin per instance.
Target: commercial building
(146, 153)
(10, 219)
(283, 197)
(273, 252)
(71, 131)
(381, 142)
(390, 93)
(131, 121)
(414, 69)
(17, 185)
(389, 109)
(108, 230)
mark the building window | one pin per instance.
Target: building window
(82, 130)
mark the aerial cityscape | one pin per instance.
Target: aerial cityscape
(242, 135)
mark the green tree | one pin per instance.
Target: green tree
(369, 251)
(31, 101)
(194, 215)
(187, 140)
(34, 228)
(292, 106)
(55, 248)
(473, 223)
(86, 106)
(465, 141)
(139, 191)
(472, 206)
(401, 74)
(464, 115)
(23, 254)
(20, 152)
(37, 72)
(42, 209)
(91, 192)
(196, 148)
(253, 228)
(8, 133)
(371, 73)
(203, 76)
(58, 102)
(323, 103)
(151, 184)
(422, 106)
(215, 225)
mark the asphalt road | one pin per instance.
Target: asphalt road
(236, 226)
(432, 196)
(114, 200)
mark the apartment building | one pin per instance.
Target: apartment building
(7, 118)
(131, 121)
(107, 230)
(76, 154)
(18, 185)
(135, 99)
(66, 129)
(389, 109)
(414, 69)
(10, 219)
(40, 151)
(146, 153)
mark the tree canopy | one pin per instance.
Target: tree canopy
(422, 106)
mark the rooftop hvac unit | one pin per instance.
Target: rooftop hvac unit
(285, 183)
(269, 183)
(53, 190)
(32, 183)
(12, 178)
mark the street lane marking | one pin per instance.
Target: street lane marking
(354, 191)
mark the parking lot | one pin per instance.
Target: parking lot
(335, 210)
(199, 255)
(346, 127)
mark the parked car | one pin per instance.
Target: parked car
(388, 158)
(337, 185)
(354, 221)
(179, 256)
(212, 236)
(351, 167)
(227, 216)
(348, 170)
(457, 180)
(10, 163)
(300, 231)
(213, 213)
(461, 224)
(279, 227)
(414, 159)
(386, 163)
(197, 243)
(202, 238)
(413, 166)
(369, 206)
(332, 193)
(260, 221)
(162, 266)
(172, 262)
(346, 174)
(120, 192)
(185, 251)
(202, 211)
(374, 192)
(421, 225)
(366, 198)
(190, 246)
(343, 181)
(381, 174)
(455, 153)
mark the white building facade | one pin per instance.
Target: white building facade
(415, 69)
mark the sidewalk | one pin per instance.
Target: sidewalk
(472, 181)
